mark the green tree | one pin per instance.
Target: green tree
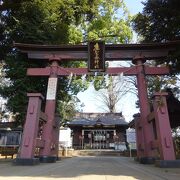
(108, 25)
(68, 108)
(159, 22)
(52, 22)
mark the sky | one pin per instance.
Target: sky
(134, 6)
(127, 103)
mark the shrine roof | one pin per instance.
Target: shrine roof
(106, 120)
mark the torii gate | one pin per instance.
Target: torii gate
(48, 143)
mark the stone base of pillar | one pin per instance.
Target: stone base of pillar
(147, 160)
(48, 159)
(167, 163)
(26, 161)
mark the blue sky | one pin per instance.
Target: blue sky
(127, 106)
(134, 6)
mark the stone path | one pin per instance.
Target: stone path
(87, 168)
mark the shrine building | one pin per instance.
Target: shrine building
(98, 130)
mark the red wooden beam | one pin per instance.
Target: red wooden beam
(112, 51)
(81, 71)
(157, 70)
(110, 55)
(127, 71)
(38, 71)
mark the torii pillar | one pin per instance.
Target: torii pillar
(144, 130)
(51, 141)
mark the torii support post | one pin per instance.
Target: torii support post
(145, 133)
(28, 144)
(164, 135)
(139, 137)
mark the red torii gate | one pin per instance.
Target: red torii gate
(48, 143)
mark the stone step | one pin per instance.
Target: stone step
(96, 152)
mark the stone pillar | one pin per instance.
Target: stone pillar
(30, 132)
(164, 136)
(47, 154)
(147, 155)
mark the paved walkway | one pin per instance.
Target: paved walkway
(87, 168)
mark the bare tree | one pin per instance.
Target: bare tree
(67, 109)
(117, 88)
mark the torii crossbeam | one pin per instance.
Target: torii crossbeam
(127, 71)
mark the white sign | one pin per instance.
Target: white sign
(131, 136)
(51, 91)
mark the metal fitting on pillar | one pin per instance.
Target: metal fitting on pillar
(54, 66)
(55, 58)
(54, 63)
(138, 59)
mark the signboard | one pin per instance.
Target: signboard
(131, 136)
(96, 56)
(131, 139)
(52, 87)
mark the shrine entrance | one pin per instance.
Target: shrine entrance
(153, 130)
(99, 139)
